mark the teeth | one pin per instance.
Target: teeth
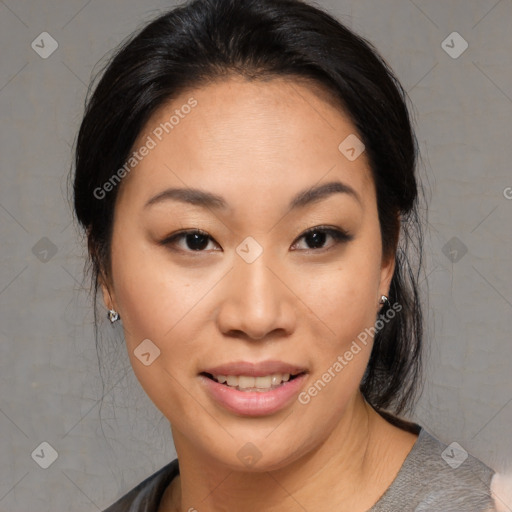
(243, 382)
(262, 382)
(275, 380)
(248, 383)
(232, 380)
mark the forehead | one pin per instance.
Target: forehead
(241, 137)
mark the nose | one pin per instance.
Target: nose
(256, 301)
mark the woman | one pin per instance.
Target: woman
(245, 172)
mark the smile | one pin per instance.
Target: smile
(249, 388)
(249, 383)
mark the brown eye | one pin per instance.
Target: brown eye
(194, 240)
(316, 237)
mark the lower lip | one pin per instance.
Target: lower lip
(254, 403)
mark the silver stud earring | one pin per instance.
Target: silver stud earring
(113, 315)
(383, 300)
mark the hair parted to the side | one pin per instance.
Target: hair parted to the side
(203, 41)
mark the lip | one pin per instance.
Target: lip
(260, 369)
(253, 403)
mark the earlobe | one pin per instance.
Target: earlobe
(388, 269)
(108, 296)
(102, 280)
(389, 264)
(385, 282)
(109, 301)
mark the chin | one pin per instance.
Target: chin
(256, 457)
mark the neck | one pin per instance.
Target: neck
(337, 473)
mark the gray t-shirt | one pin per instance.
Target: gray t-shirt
(433, 478)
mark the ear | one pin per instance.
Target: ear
(386, 274)
(108, 294)
(388, 263)
(103, 281)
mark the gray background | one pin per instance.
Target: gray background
(50, 387)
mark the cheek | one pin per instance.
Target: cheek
(345, 305)
(153, 295)
(154, 305)
(343, 297)
(158, 306)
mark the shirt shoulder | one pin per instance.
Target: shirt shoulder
(438, 477)
(146, 496)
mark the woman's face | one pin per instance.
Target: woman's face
(252, 288)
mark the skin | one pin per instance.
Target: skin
(257, 144)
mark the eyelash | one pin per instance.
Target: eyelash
(339, 236)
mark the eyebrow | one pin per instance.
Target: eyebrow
(209, 200)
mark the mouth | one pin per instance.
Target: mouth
(249, 383)
(253, 389)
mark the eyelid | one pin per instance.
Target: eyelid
(339, 235)
(169, 240)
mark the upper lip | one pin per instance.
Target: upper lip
(260, 369)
